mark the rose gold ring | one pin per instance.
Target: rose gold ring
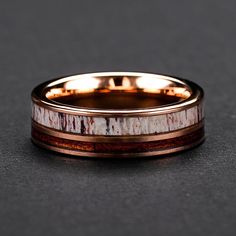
(117, 114)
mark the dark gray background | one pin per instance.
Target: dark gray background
(192, 193)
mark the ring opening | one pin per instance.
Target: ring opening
(117, 91)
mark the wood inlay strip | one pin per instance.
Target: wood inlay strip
(129, 147)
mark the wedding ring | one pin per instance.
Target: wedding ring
(118, 114)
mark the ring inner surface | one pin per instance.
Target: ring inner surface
(118, 92)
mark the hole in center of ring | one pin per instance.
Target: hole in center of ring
(117, 92)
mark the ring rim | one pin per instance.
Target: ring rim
(197, 95)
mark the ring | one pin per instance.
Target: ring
(118, 114)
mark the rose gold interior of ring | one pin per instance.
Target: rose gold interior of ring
(117, 91)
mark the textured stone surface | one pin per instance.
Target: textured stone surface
(117, 126)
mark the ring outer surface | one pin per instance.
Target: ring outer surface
(145, 132)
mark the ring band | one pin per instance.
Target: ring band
(118, 114)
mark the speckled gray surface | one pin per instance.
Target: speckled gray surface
(192, 193)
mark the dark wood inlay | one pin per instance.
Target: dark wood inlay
(129, 147)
